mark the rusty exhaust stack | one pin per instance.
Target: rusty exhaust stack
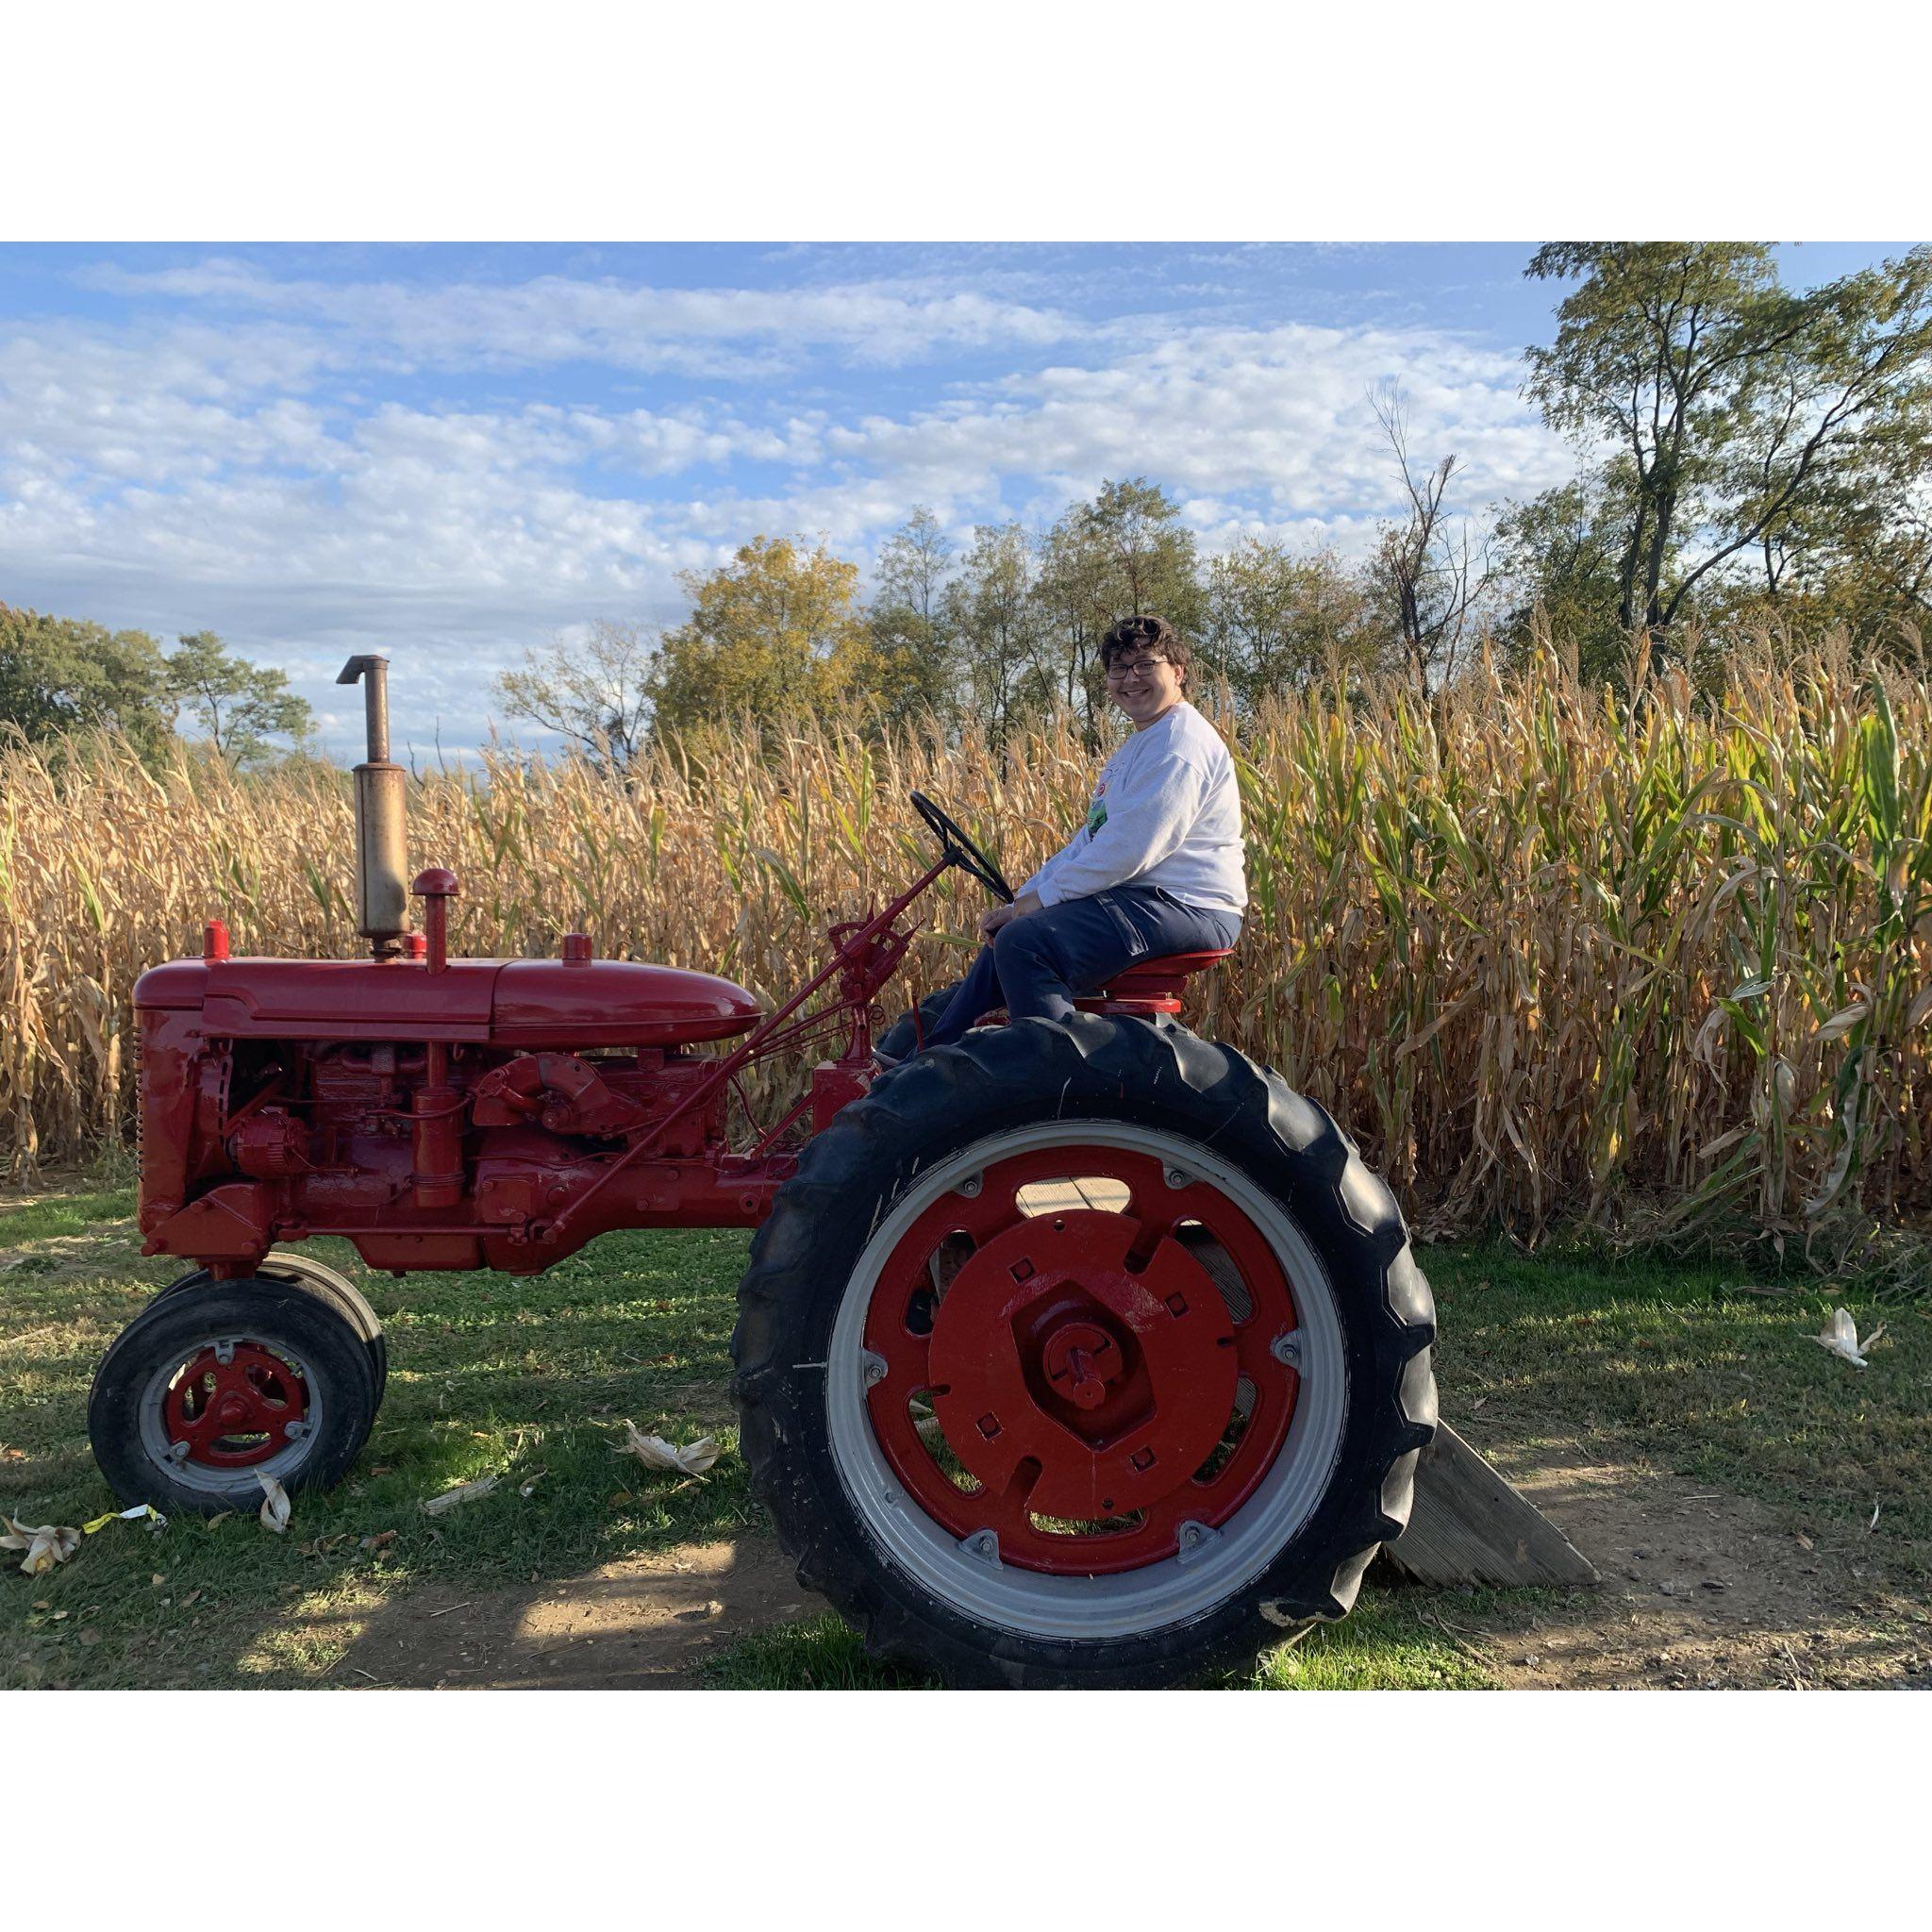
(382, 893)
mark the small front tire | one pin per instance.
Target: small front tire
(290, 1264)
(218, 1384)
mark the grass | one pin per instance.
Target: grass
(488, 1378)
(1700, 1370)
(510, 1378)
(1390, 1643)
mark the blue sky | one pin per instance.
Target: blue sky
(457, 453)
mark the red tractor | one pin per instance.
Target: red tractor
(1072, 1354)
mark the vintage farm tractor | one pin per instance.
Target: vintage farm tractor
(1072, 1354)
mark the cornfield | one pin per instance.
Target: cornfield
(1653, 962)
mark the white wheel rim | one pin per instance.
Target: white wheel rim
(1129, 1603)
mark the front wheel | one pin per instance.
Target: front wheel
(1083, 1353)
(290, 1264)
(218, 1384)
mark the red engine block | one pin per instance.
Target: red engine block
(502, 1149)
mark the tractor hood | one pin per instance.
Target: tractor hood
(519, 1003)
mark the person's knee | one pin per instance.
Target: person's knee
(1019, 939)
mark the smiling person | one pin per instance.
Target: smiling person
(1156, 869)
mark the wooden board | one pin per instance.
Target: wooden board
(1471, 1527)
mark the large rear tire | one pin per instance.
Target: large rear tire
(906, 1034)
(1021, 1441)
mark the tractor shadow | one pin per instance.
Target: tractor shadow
(642, 1623)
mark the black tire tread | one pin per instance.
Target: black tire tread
(1344, 1209)
(282, 1307)
(286, 1264)
(902, 1037)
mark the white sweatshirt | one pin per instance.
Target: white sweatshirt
(1167, 812)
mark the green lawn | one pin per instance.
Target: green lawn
(529, 1381)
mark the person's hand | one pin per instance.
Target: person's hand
(996, 916)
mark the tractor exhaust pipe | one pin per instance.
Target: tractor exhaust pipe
(382, 894)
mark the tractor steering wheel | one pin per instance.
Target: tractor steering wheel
(958, 847)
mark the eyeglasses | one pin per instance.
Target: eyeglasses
(1118, 673)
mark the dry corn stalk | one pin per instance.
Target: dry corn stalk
(1657, 962)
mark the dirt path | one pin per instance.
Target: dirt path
(644, 1623)
(1700, 1589)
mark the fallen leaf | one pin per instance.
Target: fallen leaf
(380, 1540)
(654, 1452)
(46, 1546)
(463, 1492)
(192, 1598)
(1840, 1336)
(220, 1516)
(537, 1476)
(156, 1580)
(274, 1505)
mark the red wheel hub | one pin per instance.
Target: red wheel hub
(1095, 1388)
(1050, 1349)
(233, 1406)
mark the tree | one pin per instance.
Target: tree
(239, 706)
(910, 665)
(996, 622)
(1425, 566)
(1558, 558)
(774, 633)
(1123, 554)
(1275, 618)
(913, 564)
(1745, 418)
(594, 693)
(63, 674)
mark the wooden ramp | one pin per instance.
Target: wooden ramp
(1470, 1526)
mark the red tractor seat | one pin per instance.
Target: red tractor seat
(1151, 986)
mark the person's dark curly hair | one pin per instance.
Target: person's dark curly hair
(1153, 635)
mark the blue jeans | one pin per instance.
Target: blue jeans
(1036, 965)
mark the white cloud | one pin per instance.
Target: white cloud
(561, 318)
(176, 475)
